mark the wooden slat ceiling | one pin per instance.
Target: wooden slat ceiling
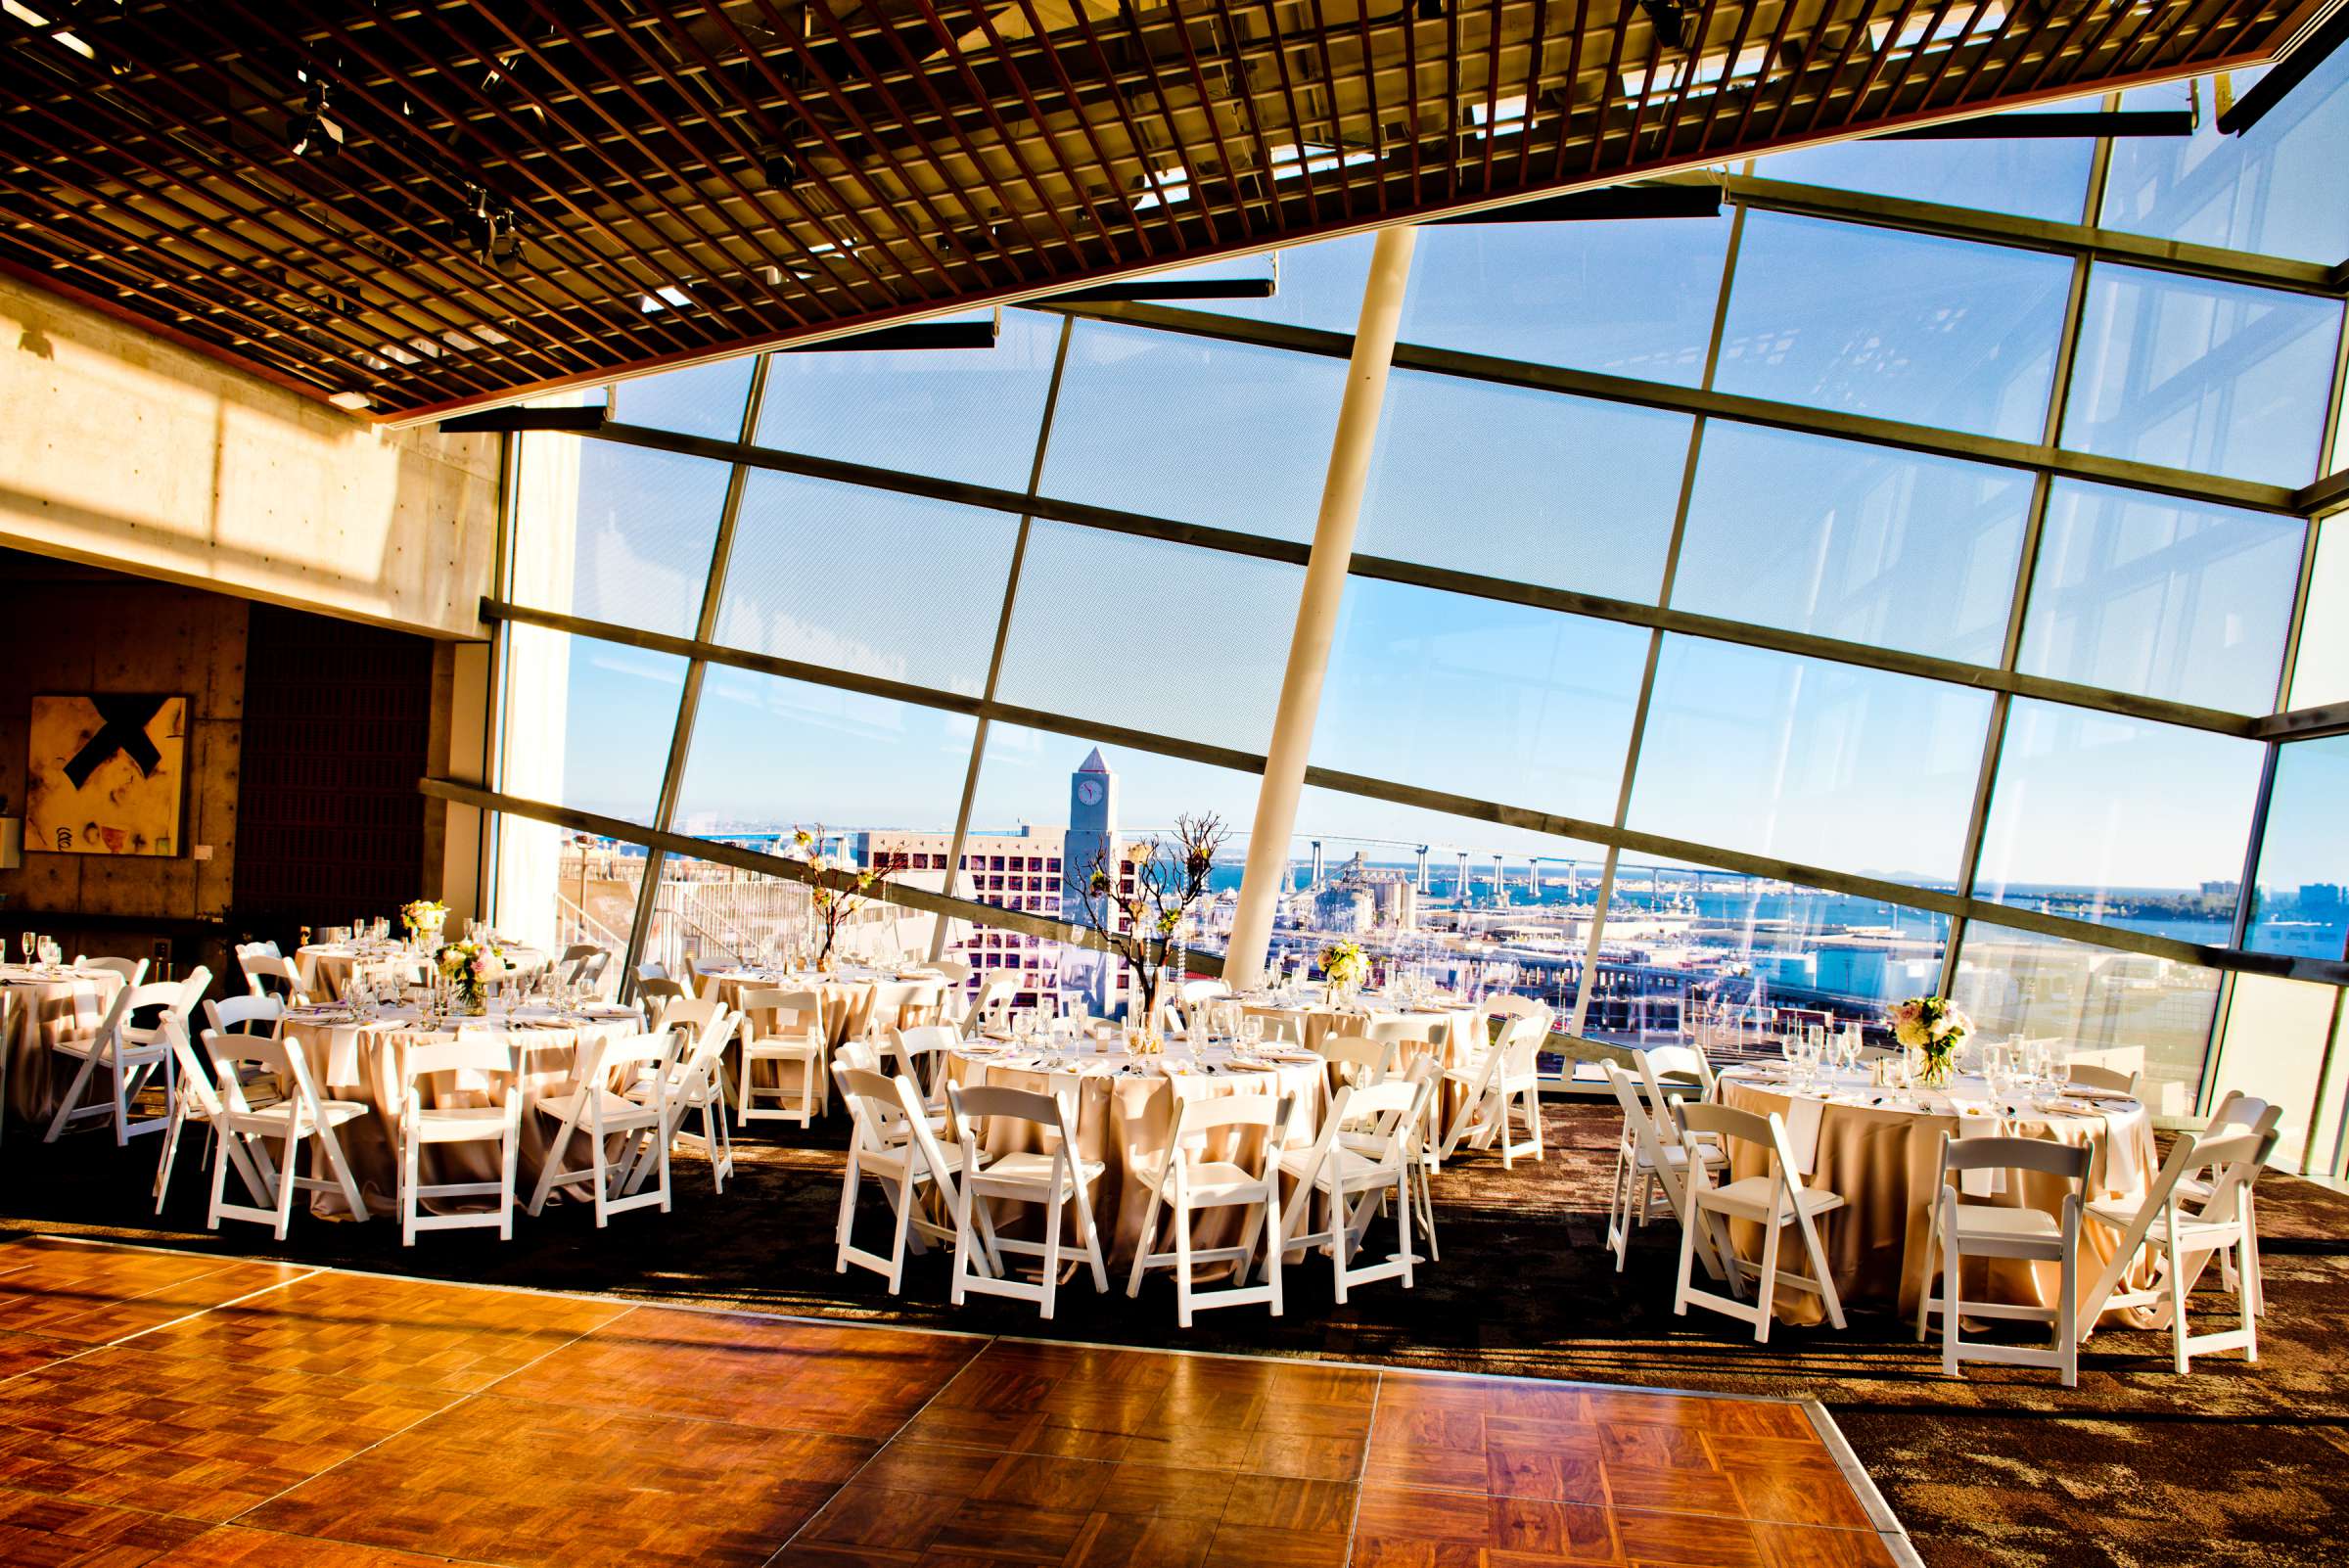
(786, 170)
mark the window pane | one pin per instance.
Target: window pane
(2320, 664)
(956, 414)
(2300, 896)
(1503, 906)
(1828, 764)
(2216, 377)
(1320, 284)
(2282, 188)
(721, 916)
(1627, 298)
(2272, 1047)
(1214, 432)
(2169, 598)
(2041, 177)
(1746, 958)
(555, 888)
(698, 401)
(1501, 702)
(2120, 820)
(1113, 627)
(1047, 804)
(2123, 1009)
(614, 532)
(1895, 326)
(770, 753)
(1858, 542)
(587, 724)
(1565, 492)
(898, 586)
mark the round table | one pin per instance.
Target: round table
(846, 997)
(351, 1058)
(1882, 1152)
(50, 1003)
(327, 968)
(1125, 1114)
(1450, 1026)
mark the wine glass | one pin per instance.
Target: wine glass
(24, 946)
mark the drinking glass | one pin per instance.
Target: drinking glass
(24, 946)
(1252, 1032)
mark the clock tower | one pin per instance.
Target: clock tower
(1093, 834)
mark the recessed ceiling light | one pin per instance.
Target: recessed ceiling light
(355, 401)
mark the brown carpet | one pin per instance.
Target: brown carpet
(2136, 1466)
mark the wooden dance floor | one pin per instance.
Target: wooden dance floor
(162, 1407)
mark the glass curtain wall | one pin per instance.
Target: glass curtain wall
(1754, 620)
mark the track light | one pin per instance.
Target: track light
(1667, 18)
(310, 133)
(779, 168)
(488, 226)
(1431, 10)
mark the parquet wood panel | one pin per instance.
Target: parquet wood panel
(757, 1371)
(97, 1294)
(411, 1333)
(266, 1418)
(121, 1426)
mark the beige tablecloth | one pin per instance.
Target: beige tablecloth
(1886, 1164)
(1450, 1028)
(1125, 1114)
(846, 998)
(51, 1004)
(367, 1062)
(326, 968)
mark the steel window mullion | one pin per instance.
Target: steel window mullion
(995, 659)
(689, 698)
(1638, 737)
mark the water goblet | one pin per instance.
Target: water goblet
(24, 945)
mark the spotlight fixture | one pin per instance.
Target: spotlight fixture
(1431, 10)
(310, 133)
(1667, 18)
(488, 226)
(778, 169)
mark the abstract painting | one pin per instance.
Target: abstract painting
(108, 775)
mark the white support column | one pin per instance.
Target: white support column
(1317, 605)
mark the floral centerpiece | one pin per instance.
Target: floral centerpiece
(424, 918)
(468, 966)
(1343, 967)
(836, 891)
(1139, 899)
(1933, 1027)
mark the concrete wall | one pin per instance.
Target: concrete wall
(126, 452)
(66, 630)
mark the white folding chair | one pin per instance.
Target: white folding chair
(892, 1144)
(1498, 1083)
(698, 1082)
(895, 1000)
(921, 1055)
(247, 1131)
(659, 995)
(1361, 1159)
(488, 1058)
(592, 1109)
(1648, 1169)
(2110, 1080)
(567, 967)
(1411, 1037)
(263, 970)
(1190, 998)
(1357, 1061)
(990, 1009)
(786, 1028)
(195, 1098)
(1186, 1183)
(133, 970)
(1774, 1200)
(129, 1065)
(2182, 1233)
(1052, 1177)
(240, 1015)
(2236, 1113)
(1956, 1230)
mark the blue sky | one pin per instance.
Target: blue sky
(1806, 760)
